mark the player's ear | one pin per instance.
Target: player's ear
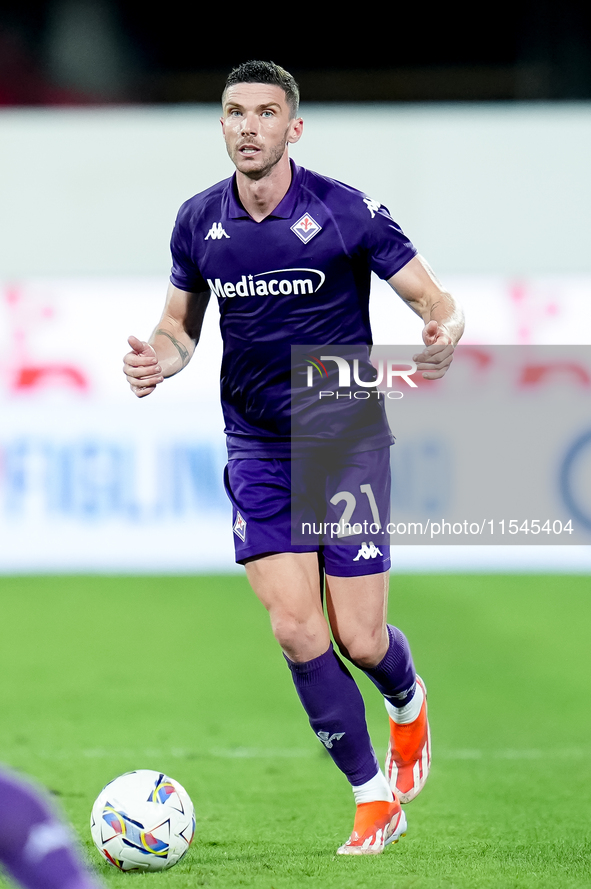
(296, 130)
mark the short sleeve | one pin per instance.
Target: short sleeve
(388, 247)
(185, 273)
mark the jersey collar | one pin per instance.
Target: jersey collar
(284, 209)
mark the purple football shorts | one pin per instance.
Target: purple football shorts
(339, 509)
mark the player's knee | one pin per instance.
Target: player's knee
(288, 629)
(297, 635)
(364, 649)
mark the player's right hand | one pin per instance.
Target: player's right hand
(141, 367)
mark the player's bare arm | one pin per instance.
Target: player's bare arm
(170, 346)
(418, 286)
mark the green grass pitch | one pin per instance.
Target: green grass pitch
(100, 675)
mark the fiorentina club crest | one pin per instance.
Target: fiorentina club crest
(240, 527)
(305, 228)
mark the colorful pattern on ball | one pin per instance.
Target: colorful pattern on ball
(163, 791)
(143, 820)
(134, 834)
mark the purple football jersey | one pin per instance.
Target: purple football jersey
(37, 849)
(302, 275)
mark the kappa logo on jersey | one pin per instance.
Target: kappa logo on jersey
(216, 232)
(287, 282)
(367, 552)
(240, 527)
(372, 206)
(327, 738)
(305, 228)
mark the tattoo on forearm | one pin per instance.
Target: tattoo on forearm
(184, 353)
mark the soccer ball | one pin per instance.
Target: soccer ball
(143, 821)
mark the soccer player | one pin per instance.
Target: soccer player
(36, 848)
(288, 253)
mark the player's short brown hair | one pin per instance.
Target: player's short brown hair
(266, 72)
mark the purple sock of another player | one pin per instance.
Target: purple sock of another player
(36, 848)
(336, 712)
(395, 675)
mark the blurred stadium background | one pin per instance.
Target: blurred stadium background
(109, 120)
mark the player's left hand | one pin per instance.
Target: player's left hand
(435, 359)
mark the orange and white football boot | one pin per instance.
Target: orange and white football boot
(409, 753)
(377, 824)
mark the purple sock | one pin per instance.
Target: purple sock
(36, 847)
(395, 675)
(336, 712)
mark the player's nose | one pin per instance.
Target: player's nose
(250, 123)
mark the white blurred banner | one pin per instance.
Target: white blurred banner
(93, 479)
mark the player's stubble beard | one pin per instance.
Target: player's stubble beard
(267, 163)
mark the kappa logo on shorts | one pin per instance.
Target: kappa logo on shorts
(240, 527)
(305, 228)
(367, 552)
